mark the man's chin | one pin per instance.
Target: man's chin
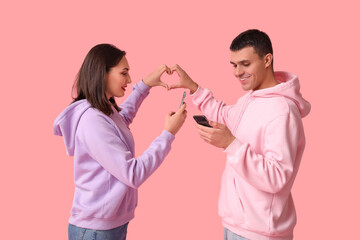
(245, 88)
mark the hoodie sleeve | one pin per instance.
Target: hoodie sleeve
(273, 169)
(131, 105)
(215, 110)
(101, 141)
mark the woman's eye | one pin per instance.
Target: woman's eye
(124, 73)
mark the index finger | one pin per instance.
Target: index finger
(163, 68)
(176, 67)
(167, 69)
(203, 128)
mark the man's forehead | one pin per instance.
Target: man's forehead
(245, 53)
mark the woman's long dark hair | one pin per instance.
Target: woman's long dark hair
(90, 82)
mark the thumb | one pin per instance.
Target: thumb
(215, 124)
(182, 109)
(174, 86)
(163, 85)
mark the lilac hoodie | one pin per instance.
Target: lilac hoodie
(255, 196)
(106, 172)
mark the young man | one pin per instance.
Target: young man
(263, 137)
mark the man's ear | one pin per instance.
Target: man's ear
(268, 60)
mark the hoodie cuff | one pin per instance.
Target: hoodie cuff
(198, 91)
(199, 88)
(196, 96)
(168, 136)
(233, 147)
(143, 88)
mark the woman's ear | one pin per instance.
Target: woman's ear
(268, 60)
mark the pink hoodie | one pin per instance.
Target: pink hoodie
(255, 197)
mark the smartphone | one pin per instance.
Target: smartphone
(202, 120)
(183, 98)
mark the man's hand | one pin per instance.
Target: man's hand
(219, 136)
(185, 81)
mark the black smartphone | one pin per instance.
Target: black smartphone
(202, 120)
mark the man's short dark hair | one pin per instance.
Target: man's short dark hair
(255, 38)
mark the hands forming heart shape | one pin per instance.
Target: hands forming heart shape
(154, 78)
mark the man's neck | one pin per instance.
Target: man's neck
(270, 81)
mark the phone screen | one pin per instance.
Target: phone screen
(202, 120)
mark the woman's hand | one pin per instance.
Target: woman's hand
(185, 81)
(175, 120)
(153, 79)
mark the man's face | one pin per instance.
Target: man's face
(249, 68)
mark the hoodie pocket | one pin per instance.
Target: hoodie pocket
(238, 195)
(231, 208)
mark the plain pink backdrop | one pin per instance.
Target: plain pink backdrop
(43, 44)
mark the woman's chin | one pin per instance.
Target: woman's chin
(120, 95)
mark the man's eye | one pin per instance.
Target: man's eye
(234, 66)
(246, 64)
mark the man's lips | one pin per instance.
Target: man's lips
(244, 79)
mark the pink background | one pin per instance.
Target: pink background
(43, 44)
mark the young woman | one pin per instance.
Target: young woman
(96, 132)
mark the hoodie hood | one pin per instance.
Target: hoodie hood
(289, 87)
(67, 122)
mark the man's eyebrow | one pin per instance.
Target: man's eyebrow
(243, 61)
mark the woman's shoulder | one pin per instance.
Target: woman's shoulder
(96, 125)
(93, 117)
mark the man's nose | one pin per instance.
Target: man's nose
(238, 71)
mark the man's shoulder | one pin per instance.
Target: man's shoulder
(276, 106)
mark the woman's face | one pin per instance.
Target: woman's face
(117, 79)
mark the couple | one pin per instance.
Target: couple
(262, 135)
